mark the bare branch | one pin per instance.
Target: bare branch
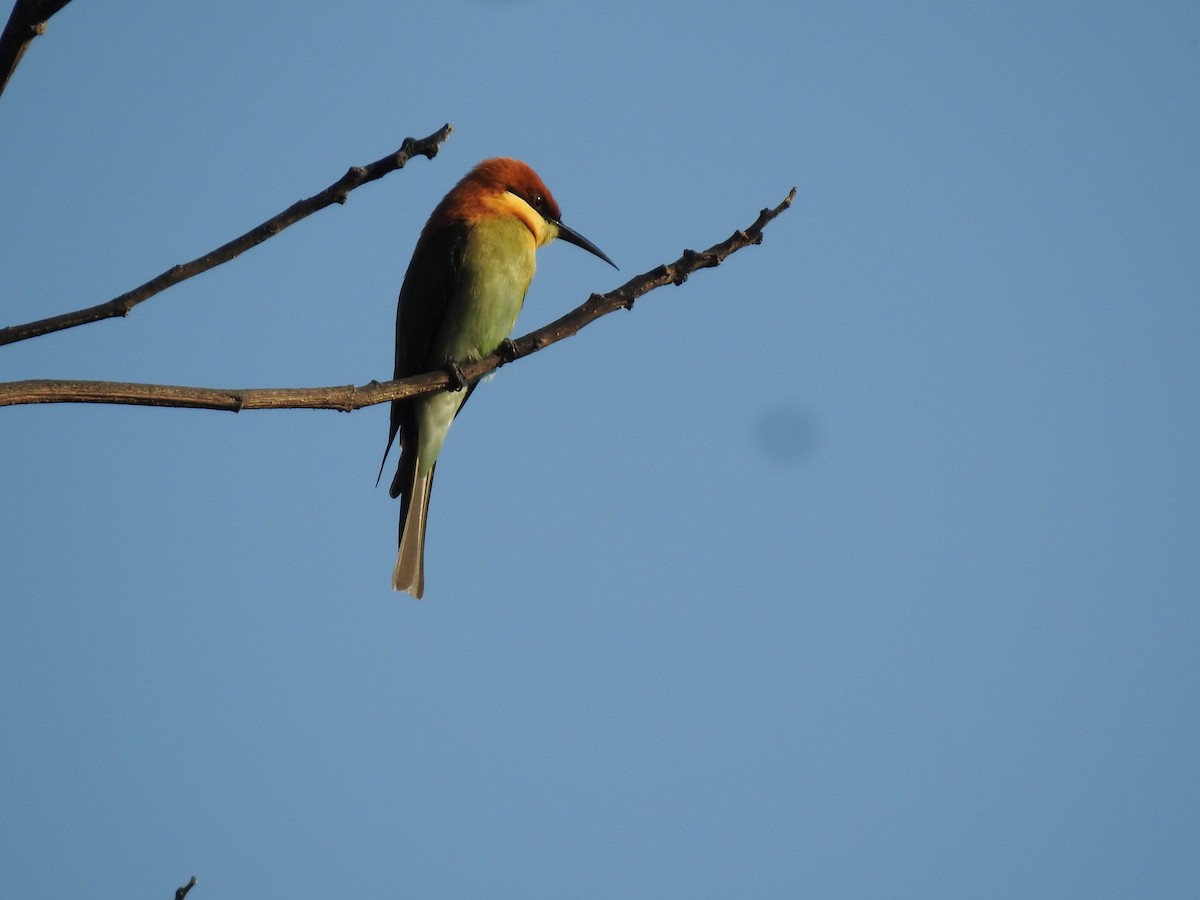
(26, 21)
(341, 397)
(623, 297)
(349, 397)
(182, 892)
(356, 176)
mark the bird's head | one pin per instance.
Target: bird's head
(515, 188)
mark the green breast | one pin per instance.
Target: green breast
(498, 263)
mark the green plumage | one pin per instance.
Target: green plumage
(461, 297)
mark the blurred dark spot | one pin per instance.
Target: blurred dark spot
(787, 433)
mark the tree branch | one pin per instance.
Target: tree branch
(26, 21)
(349, 397)
(181, 892)
(337, 192)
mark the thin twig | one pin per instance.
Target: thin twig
(356, 176)
(182, 892)
(26, 21)
(349, 397)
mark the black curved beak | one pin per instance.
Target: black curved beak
(571, 236)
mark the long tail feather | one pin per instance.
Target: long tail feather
(409, 573)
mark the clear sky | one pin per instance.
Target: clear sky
(865, 565)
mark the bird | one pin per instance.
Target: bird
(459, 301)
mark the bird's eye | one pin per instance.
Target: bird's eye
(539, 202)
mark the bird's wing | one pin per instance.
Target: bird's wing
(424, 300)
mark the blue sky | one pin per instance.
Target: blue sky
(864, 565)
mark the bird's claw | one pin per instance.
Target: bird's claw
(507, 351)
(458, 381)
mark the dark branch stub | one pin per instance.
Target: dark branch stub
(688, 258)
(181, 892)
(26, 21)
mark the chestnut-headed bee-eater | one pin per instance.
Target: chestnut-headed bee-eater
(461, 295)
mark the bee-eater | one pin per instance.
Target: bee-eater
(461, 295)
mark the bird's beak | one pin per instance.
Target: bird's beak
(571, 236)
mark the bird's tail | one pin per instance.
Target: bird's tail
(409, 573)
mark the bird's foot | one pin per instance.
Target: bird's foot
(458, 381)
(507, 351)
